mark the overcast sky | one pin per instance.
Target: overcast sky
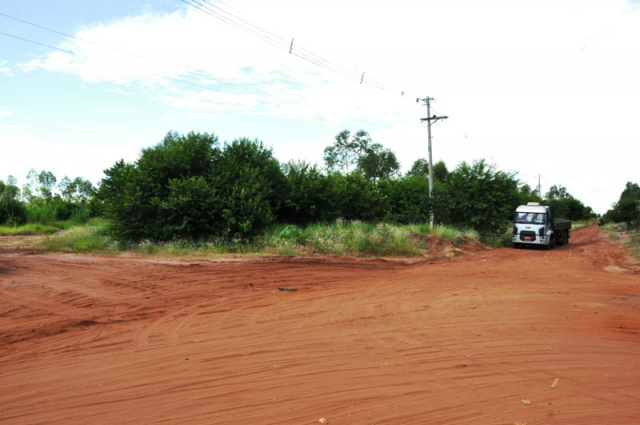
(542, 88)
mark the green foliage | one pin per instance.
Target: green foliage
(90, 237)
(440, 172)
(57, 209)
(371, 159)
(77, 190)
(406, 200)
(188, 208)
(187, 187)
(252, 186)
(9, 190)
(634, 244)
(482, 197)
(28, 229)
(12, 212)
(358, 238)
(569, 208)
(421, 168)
(376, 162)
(361, 197)
(311, 197)
(342, 154)
(626, 210)
(565, 205)
(558, 192)
(292, 233)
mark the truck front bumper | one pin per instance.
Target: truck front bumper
(532, 239)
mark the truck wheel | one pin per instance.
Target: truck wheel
(552, 242)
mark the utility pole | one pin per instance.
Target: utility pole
(429, 119)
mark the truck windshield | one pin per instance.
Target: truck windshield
(530, 218)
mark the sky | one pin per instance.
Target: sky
(549, 90)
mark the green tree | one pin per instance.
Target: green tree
(191, 210)
(9, 190)
(76, 190)
(558, 192)
(136, 195)
(342, 154)
(47, 182)
(312, 196)
(482, 197)
(30, 188)
(377, 162)
(406, 200)
(252, 187)
(631, 190)
(440, 172)
(356, 197)
(420, 167)
(626, 210)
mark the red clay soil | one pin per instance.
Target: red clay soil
(495, 337)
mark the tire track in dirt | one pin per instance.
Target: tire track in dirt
(450, 341)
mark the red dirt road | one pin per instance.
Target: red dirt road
(497, 337)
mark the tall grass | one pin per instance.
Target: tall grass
(91, 237)
(634, 243)
(337, 238)
(28, 230)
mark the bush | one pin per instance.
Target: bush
(186, 187)
(12, 212)
(482, 197)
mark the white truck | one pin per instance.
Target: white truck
(535, 224)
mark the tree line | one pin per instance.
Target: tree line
(626, 209)
(44, 199)
(193, 187)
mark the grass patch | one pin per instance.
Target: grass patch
(78, 239)
(31, 229)
(28, 230)
(579, 224)
(337, 238)
(633, 243)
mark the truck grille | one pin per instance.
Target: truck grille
(527, 236)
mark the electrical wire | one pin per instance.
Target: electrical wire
(207, 7)
(37, 42)
(352, 75)
(141, 58)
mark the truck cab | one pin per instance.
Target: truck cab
(535, 224)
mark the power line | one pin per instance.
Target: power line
(207, 7)
(138, 57)
(177, 79)
(38, 43)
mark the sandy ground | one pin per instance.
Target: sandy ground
(496, 337)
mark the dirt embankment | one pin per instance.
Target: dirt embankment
(496, 337)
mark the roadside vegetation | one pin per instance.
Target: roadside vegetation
(192, 195)
(341, 237)
(622, 221)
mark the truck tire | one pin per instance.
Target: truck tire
(552, 242)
